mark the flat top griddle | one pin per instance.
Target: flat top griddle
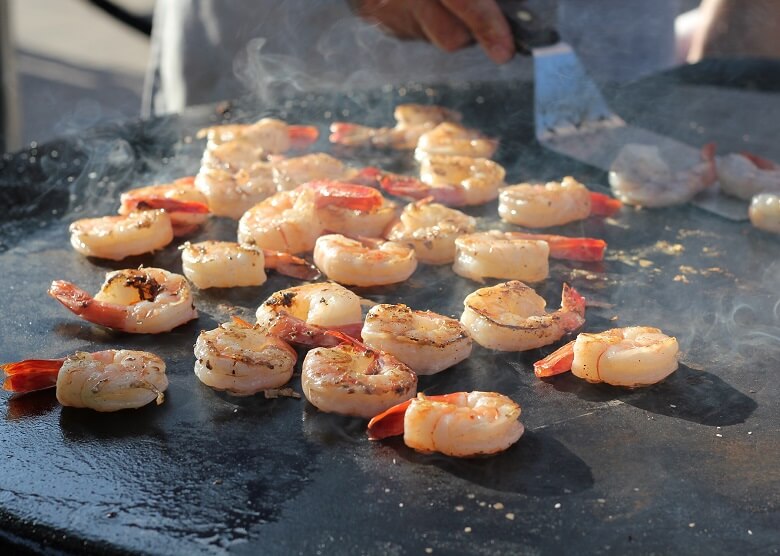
(690, 464)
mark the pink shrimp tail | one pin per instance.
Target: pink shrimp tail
(349, 135)
(290, 265)
(296, 331)
(302, 136)
(585, 249)
(708, 156)
(572, 309)
(345, 195)
(413, 188)
(391, 422)
(556, 363)
(87, 307)
(370, 176)
(603, 205)
(31, 374)
(171, 205)
(760, 162)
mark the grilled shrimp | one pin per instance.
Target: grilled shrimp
(363, 262)
(225, 264)
(427, 342)
(430, 229)
(140, 301)
(303, 314)
(632, 356)
(242, 360)
(540, 206)
(497, 254)
(453, 139)
(745, 175)
(764, 212)
(512, 317)
(231, 192)
(268, 135)
(641, 176)
(187, 206)
(286, 221)
(462, 424)
(353, 379)
(351, 209)
(451, 180)
(289, 173)
(118, 237)
(107, 380)
(412, 120)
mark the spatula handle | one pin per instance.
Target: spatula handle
(531, 28)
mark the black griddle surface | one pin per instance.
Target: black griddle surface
(689, 465)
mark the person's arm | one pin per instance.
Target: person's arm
(448, 24)
(737, 28)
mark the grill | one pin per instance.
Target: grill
(690, 462)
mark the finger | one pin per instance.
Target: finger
(440, 26)
(488, 25)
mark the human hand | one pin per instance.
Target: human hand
(448, 24)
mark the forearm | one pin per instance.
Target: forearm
(738, 28)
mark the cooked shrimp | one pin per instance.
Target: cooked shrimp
(764, 212)
(430, 229)
(540, 206)
(512, 317)
(187, 206)
(641, 176)
(745, 175)
(287, 222)
(225, 264)
(632, 356)
(117, 237)
(140, 301)
(353, 379)
(427, 342)
(495, 254)
(351, 209)
(453, 139)
(462, 424)
(363, 262)
(268, 135)
(304, 314)
(289, 173)
(107, 380)
(242, 360)
(412, 120)
(451, 180)
(231, 193)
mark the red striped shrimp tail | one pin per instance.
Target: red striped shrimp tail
(31, 374)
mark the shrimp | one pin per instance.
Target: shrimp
(412, 120)
(304, 314)
(511, 317)
(745, 175)
(242, 360)
(186, 205)
(351, 209)
(430, 229)
(286, 221)
(453, 139)
(540, 206)
(764, 212)
(108, 380)
(354, 379)
(462, 424)
(225, 264)
(451, 180)
(268, 135)
(139, 301)
(363, 262)
(427, 342)
(632, 356)
(231, 193)
(497, 254)
(118, 237)
(641, 176)
(289, 173)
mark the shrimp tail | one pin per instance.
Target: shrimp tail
(603, 205)
(391, 422)
(412, 188)
(584, 249)
(87, 307)
(370, 176)
(31, 374)
(760, 162)
(296, 331)
(301, 136)
(290, 265)
(171, 205)
(345, 195)
(708, 156)
(572, 309)
(350, 135)
(556, 363)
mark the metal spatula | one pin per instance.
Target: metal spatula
(572, 117)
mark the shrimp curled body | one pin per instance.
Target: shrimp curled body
(118, 237)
